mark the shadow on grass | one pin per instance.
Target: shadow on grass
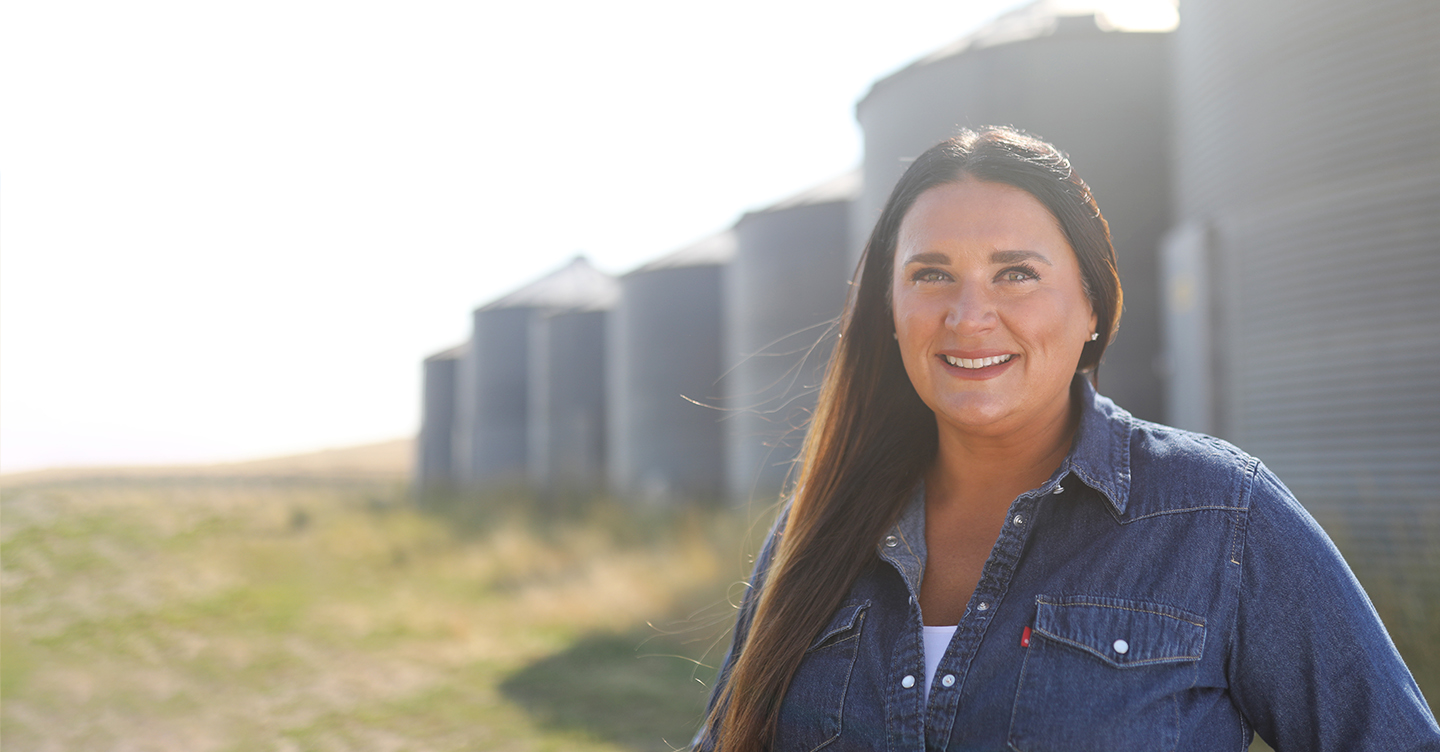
(635, 689)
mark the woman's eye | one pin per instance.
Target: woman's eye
(1019, 274)
(930, 275)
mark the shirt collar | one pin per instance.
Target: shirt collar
(1100, 454)
(904, 545)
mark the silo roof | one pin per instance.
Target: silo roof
(453, 353)
(1043, 18)
(712, 251)
(577, 285)
(844, 187)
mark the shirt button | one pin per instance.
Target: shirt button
(1019, 520)
(891, 541)
(1122, 647)
(907, 682)
(1059, 489)
(948, 681)
(983, 606)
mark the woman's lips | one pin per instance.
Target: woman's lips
(982, 367)
(974, 363)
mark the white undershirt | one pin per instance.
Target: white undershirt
(936, 640)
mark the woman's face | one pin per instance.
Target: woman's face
(990, 310)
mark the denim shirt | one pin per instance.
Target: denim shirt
(1162, 590)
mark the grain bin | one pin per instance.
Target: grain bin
(568, 353)
(1307, 204)
(493, 445)
(784, 291)
(665, 339)
(1078, 75)
(434, 466)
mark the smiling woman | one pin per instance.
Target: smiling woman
(981, 552)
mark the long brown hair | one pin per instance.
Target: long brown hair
(871, 437)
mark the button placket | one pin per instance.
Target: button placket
(995, 581)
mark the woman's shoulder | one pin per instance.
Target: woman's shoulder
(1170, 469)
(1156, 447)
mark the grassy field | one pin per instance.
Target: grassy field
(255, 612)
(248, 614)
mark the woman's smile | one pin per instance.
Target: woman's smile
(977, 366)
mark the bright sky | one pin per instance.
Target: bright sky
(231, 230)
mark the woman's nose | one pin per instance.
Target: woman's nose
(971, 311)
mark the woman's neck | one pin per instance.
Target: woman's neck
(990, 470)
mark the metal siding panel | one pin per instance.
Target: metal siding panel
(567, 418)
(539, 466)
(1185, 257)
(785, 287)
(1336, 370)
(1305, 135)
(434, 466)
(666, 344)
(500, 431)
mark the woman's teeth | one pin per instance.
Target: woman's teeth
(977, 362)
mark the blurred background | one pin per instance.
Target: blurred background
(592, 254)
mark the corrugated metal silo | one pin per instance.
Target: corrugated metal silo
(568, 353)
(787, 284)
(665, 335)
(1053, 69)
(434, 468)
(1307, 185)
(493, 436)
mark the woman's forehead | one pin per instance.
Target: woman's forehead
(974, 216)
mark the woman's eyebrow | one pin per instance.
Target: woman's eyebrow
(1011, 257)
(929, 257)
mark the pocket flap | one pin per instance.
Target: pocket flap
(843, 621)
(1122, 632)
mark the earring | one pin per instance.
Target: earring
(895, 336)
(1094, 336)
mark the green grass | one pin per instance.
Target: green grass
(218, 614)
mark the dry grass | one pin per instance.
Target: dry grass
(252, 615)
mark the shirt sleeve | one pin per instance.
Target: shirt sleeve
(704, 739)
(1311, 666)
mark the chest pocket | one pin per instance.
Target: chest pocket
(811, 713)
(1105, 674)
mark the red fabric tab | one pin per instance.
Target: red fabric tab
(1025, 638)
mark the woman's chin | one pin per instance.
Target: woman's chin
(974, 413)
